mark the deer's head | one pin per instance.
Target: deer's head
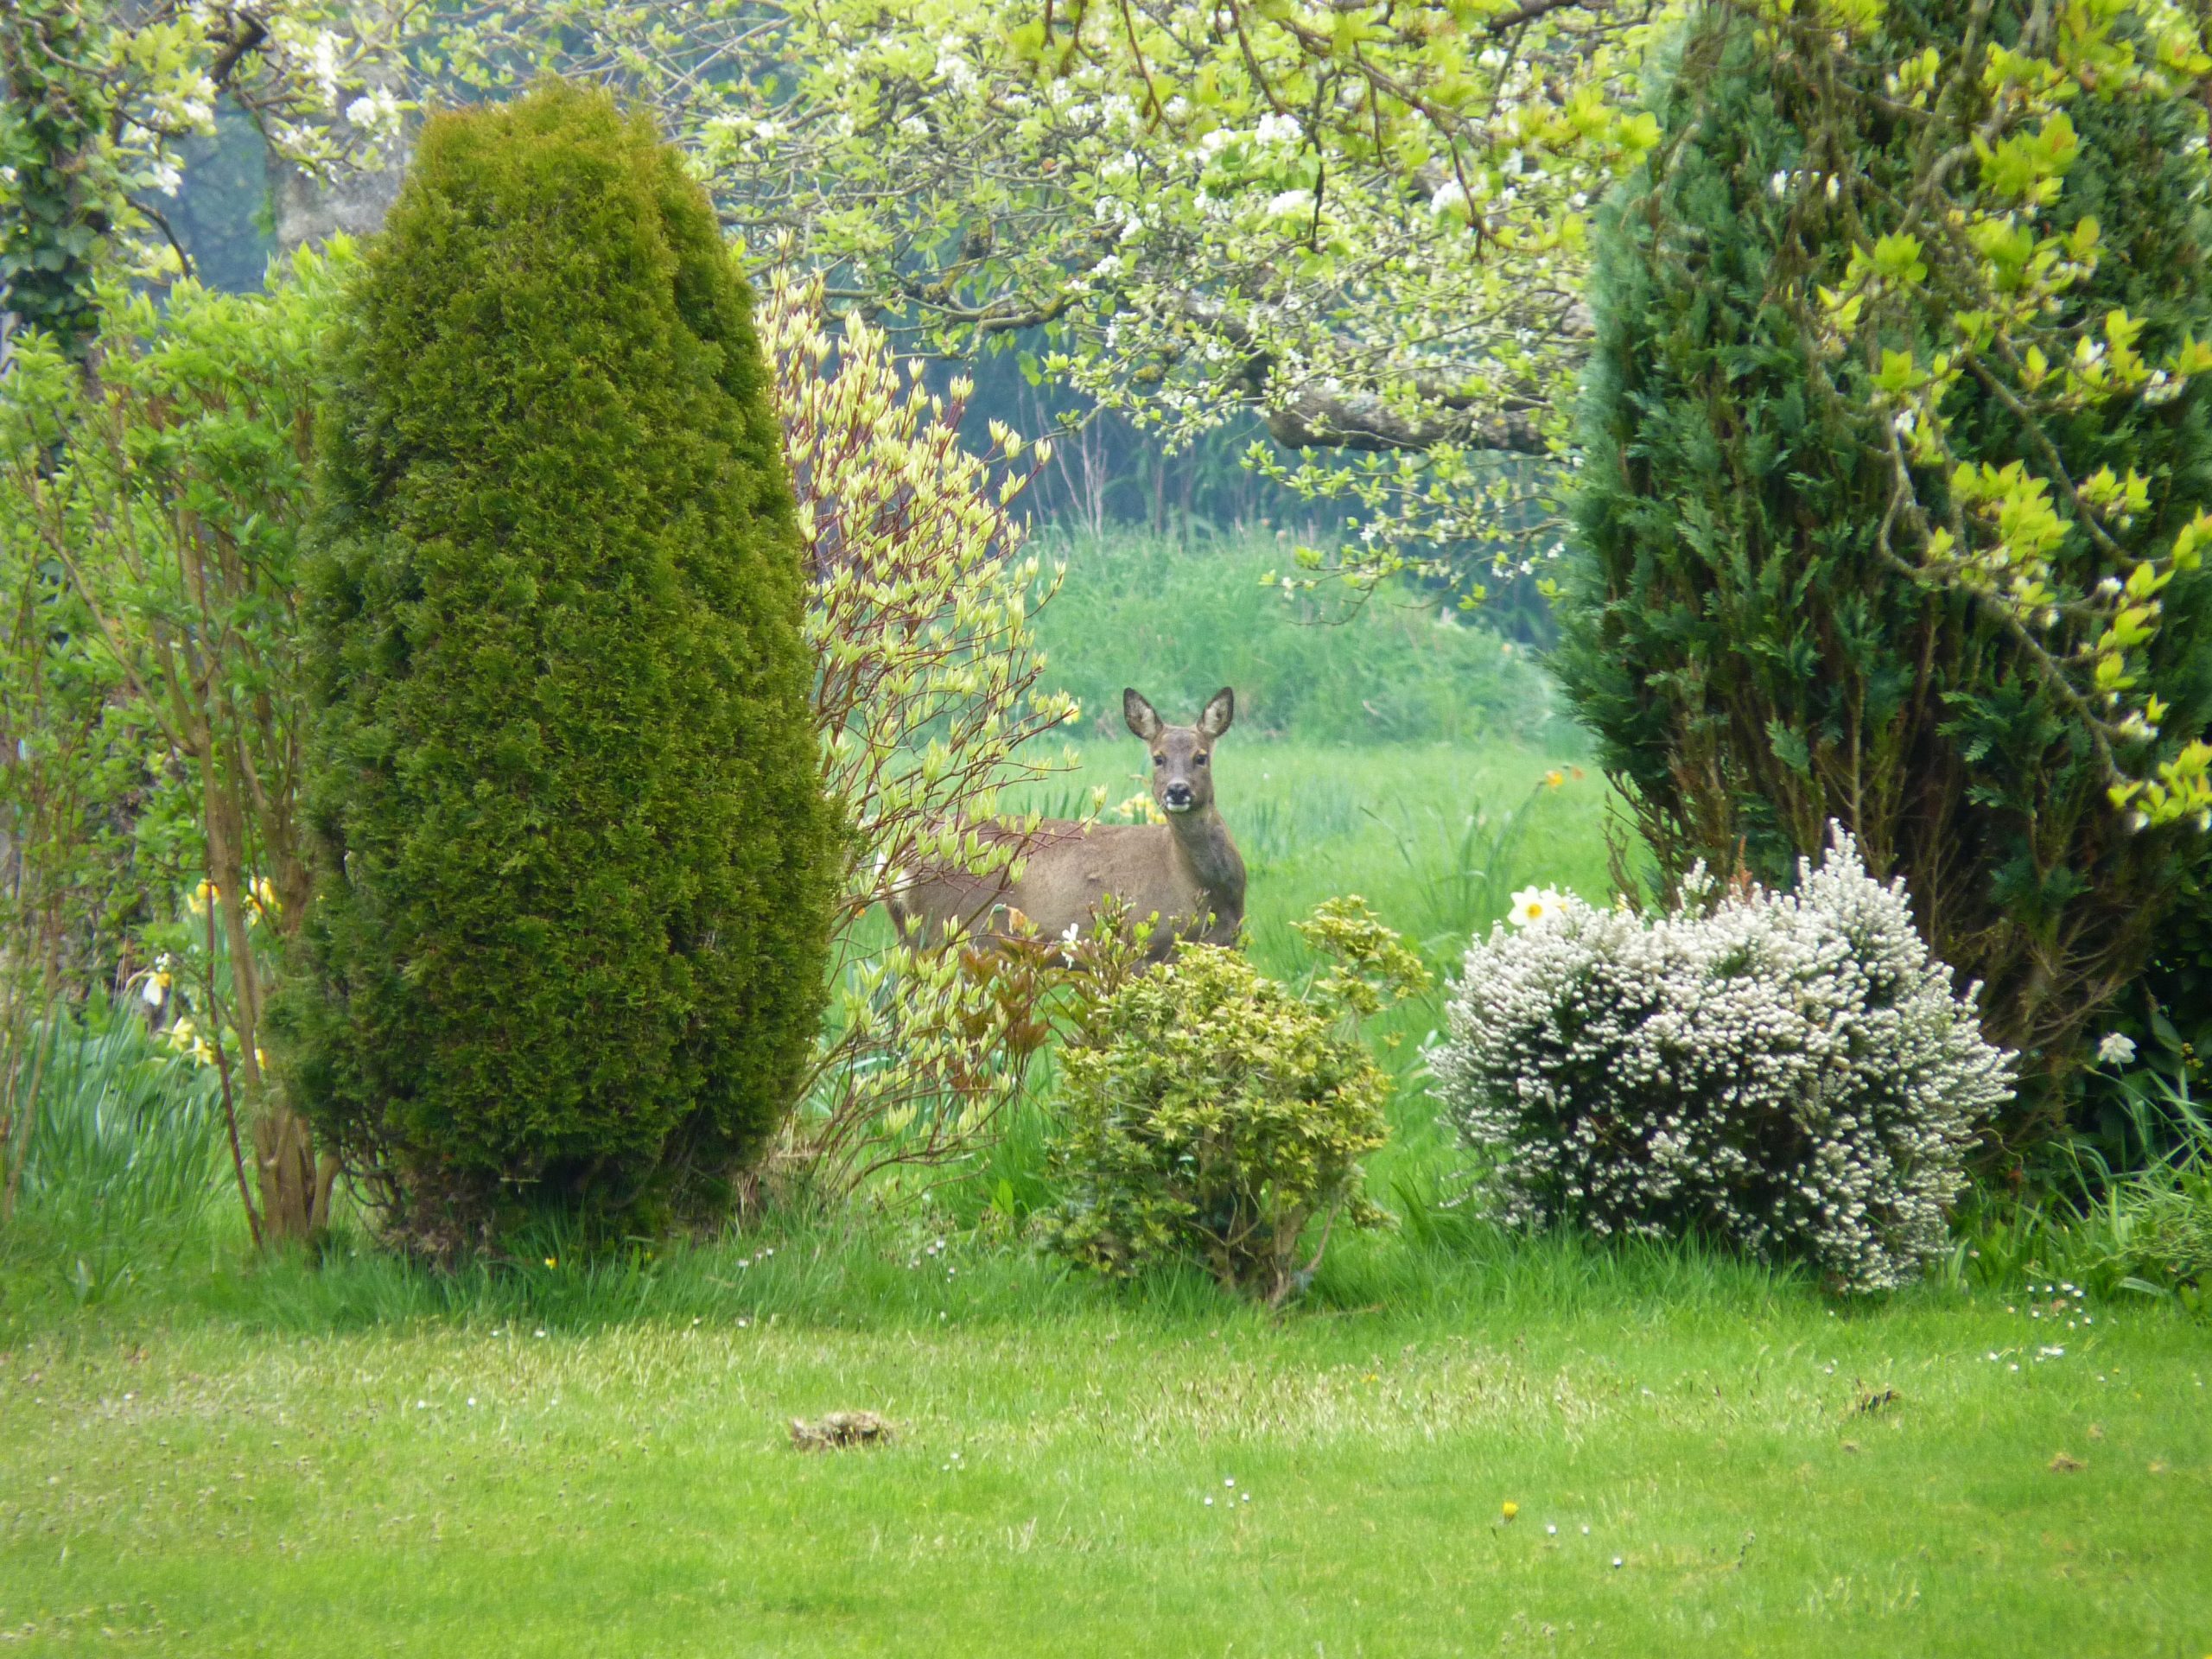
(1182, 756)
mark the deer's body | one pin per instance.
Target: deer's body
(1187, 871)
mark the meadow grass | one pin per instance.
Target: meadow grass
(1403, 666)
(580, 1451)
(594, 1457)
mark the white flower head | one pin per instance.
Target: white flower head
(2118, 1048)
(1534, 904)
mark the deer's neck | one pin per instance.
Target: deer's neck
(1201, 843)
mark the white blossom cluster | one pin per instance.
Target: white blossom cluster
(1792, 1071)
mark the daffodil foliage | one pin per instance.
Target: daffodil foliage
(926, 701)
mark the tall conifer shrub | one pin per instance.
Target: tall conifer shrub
(1751, 663)
(575, 865)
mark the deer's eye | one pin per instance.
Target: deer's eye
(1197, 759)
(1159, 759)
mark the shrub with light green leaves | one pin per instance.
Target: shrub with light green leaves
(1213, 1113)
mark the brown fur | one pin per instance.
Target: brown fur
(1186, 872)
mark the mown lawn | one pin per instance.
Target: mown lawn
(198, 1455)
(274, 1464)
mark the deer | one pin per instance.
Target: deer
(1186, 872)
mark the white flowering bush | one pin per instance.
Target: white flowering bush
(1792, 1071)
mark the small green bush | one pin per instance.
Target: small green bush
(1212, 1112)
(574, 864)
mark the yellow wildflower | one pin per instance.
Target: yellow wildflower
(1140, 808)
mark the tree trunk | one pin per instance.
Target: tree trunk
(294, 1184)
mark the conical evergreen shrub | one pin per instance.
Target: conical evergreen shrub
(574, 864)
(1751, 664)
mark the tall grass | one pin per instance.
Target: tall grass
(2145, 1231)
(1183, 621)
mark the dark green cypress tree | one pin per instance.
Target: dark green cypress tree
(574, 864)
(1750, 663)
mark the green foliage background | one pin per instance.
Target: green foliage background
(1751, 664)
(1182, 621)
(52, 110)
(576, 863)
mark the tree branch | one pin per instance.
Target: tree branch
(1528, 12)
(251, 32)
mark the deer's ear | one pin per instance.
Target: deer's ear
(1144, 718)
(1220, 710)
